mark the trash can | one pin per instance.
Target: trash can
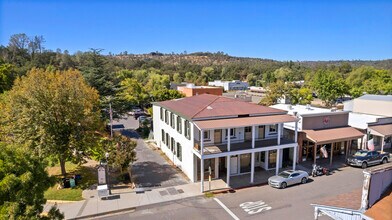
(72, 182)
(66, 183)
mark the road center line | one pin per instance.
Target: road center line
(227, 209)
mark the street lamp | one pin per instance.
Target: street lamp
(107, 170)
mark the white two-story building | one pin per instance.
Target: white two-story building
(193, 133)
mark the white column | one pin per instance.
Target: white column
(252, 168)
(295, 157)
(253, 136)
(296, 132)
(202, 174)
(228, 171)
(277, 161)
(279, 133)
(228, 139)
(382, 144)
(201, 142)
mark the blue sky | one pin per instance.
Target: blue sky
(281, 30)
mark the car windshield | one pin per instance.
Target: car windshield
(360, 153)
(284, 174)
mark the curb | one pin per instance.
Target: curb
(132, 208)
(62, 201)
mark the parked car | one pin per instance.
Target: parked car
(287, 178)
(144, 118)
(135, 111)
(365, 158)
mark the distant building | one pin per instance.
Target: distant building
(173, 85)
(372, 114)
(191, 90)
(230, 85)
(371, 104)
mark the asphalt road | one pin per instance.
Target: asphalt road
(261, 202)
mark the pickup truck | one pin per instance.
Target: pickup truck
(364, 158)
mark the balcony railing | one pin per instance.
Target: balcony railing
(220, 148)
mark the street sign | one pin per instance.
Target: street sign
(101, 175)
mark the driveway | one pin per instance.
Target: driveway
(150, 168)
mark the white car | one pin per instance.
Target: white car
(287, 178)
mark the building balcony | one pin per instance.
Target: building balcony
(221, 148)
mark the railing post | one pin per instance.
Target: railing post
(201, 143)
(279, 133)
(228, 139)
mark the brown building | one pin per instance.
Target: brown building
(192, 90)
(323, 134)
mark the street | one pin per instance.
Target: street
(262, 202)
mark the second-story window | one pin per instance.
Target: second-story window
(232, 133)
(187, 128)
(273, 129)
(172, 124)
(179, 124)
(166, 116)
(206, 135)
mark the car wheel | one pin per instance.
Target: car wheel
(283, 185)
(384, 161)
(364, 165)
(304, 180)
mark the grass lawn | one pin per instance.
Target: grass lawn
(89, 177)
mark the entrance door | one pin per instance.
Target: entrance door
(233, 165)
(261, 132)
(248, 133)
(218, 136)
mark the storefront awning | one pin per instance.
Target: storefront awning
(331, 135)
(381, 130)
(244, 121)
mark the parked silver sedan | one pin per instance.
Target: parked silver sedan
(287, 178)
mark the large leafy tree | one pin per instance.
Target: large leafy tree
(23, 181)
(301, 96)
(54, 113)
(329, 86)
(276, 91)
(7, 76)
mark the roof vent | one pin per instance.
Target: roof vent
(333, 109)
(209, 107)
(290, 107)
(308, 107)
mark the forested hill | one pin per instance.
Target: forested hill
(219, 58)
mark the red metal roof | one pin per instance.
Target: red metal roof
(210, 106)
(333, 134)
(243, 122)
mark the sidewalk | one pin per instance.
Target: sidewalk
(124, 200)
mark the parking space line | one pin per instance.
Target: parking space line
(227, 209)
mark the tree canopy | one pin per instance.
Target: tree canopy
(53, 113)
(23, 181)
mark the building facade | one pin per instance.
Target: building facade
(192, 90)
(230, 85)
(213, 135)
(322, 133)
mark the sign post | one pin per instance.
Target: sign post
(101, 175)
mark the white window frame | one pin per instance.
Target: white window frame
(275, 126)
(206, 135)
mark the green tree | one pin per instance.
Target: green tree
(275, 92)
(284, 74)
(177, 78)
(133, 92)
(166, 94)
(7, 76)
(23, 181)
(329, 86)
(54, 113)
(301, 96)
(251, 79)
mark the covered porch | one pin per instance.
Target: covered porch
(327, 143)
(382, 137)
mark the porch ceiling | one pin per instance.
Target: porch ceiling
(244, 121)
(216, 149)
